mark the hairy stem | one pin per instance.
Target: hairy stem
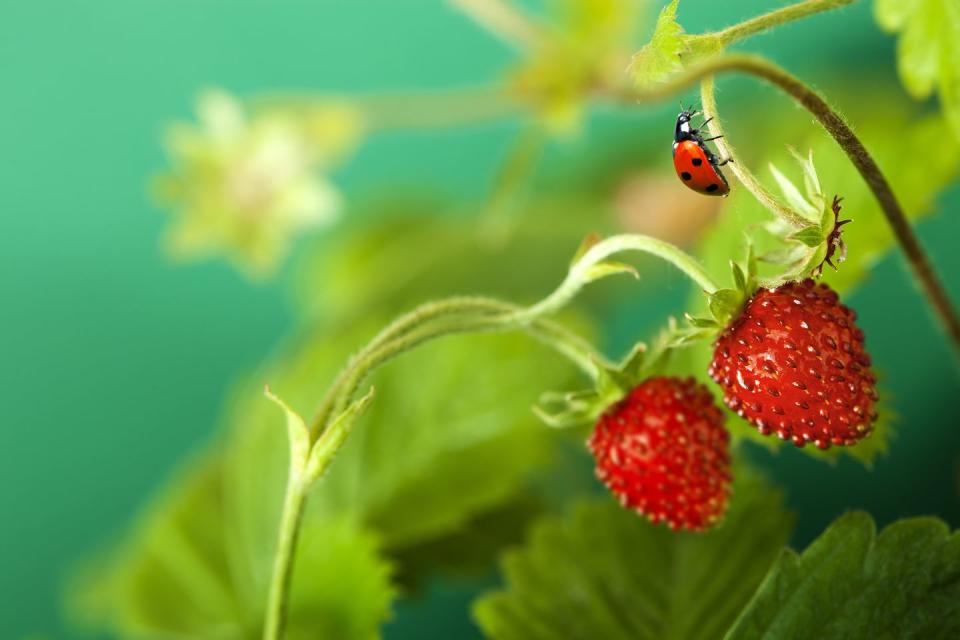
(509, 317)
(444, 317)
(831, 121)
(776, 18)
(740, 170)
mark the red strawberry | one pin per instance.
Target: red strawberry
(663, 450)
(793, 363)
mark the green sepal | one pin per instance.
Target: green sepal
(739, 279)
(298, 436)
(633, 364)
(585, 245)
(309, 462)
(331, 440)
(574, 408)
(812, 236)
(609, 268)
(726, 303)
(701, 323)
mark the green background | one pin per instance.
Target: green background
(114, 362)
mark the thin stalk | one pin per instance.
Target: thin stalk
(553, 335)
(838, 129)
(479, 318)
(740, 170)
(396, 329)
(277, 599)
(616, 244)
(776, 18)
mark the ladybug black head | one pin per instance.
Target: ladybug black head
(686, 115)
(682, 131)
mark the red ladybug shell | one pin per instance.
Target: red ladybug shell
(694, 169)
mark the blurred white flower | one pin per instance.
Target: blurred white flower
(246, 185)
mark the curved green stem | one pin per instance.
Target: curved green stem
(461, 309)
(740, 170)
(432, 321)
(580, 272)
(509, 317)
(838, 129)
(478, 314)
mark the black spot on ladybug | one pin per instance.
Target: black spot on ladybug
(697, 162)
(686, 176)
(713, 188)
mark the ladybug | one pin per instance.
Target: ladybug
(695, 164)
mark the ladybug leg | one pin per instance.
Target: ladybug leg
(724, 161)
(704, 123)
(713, 138)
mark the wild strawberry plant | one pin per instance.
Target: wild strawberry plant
(422, 456)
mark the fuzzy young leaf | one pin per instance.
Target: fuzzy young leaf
(660, 58)
(669, 50)
(604, 572)
(852, 583)
(928, 52)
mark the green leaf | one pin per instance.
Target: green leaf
(418, 468)
(340, 583)
(928, 52)
(604, 572)
(892, 14)
(439, 414)
(669, 49)
(176, 576)
(661, 57)
(466, 552)
(851, 583)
